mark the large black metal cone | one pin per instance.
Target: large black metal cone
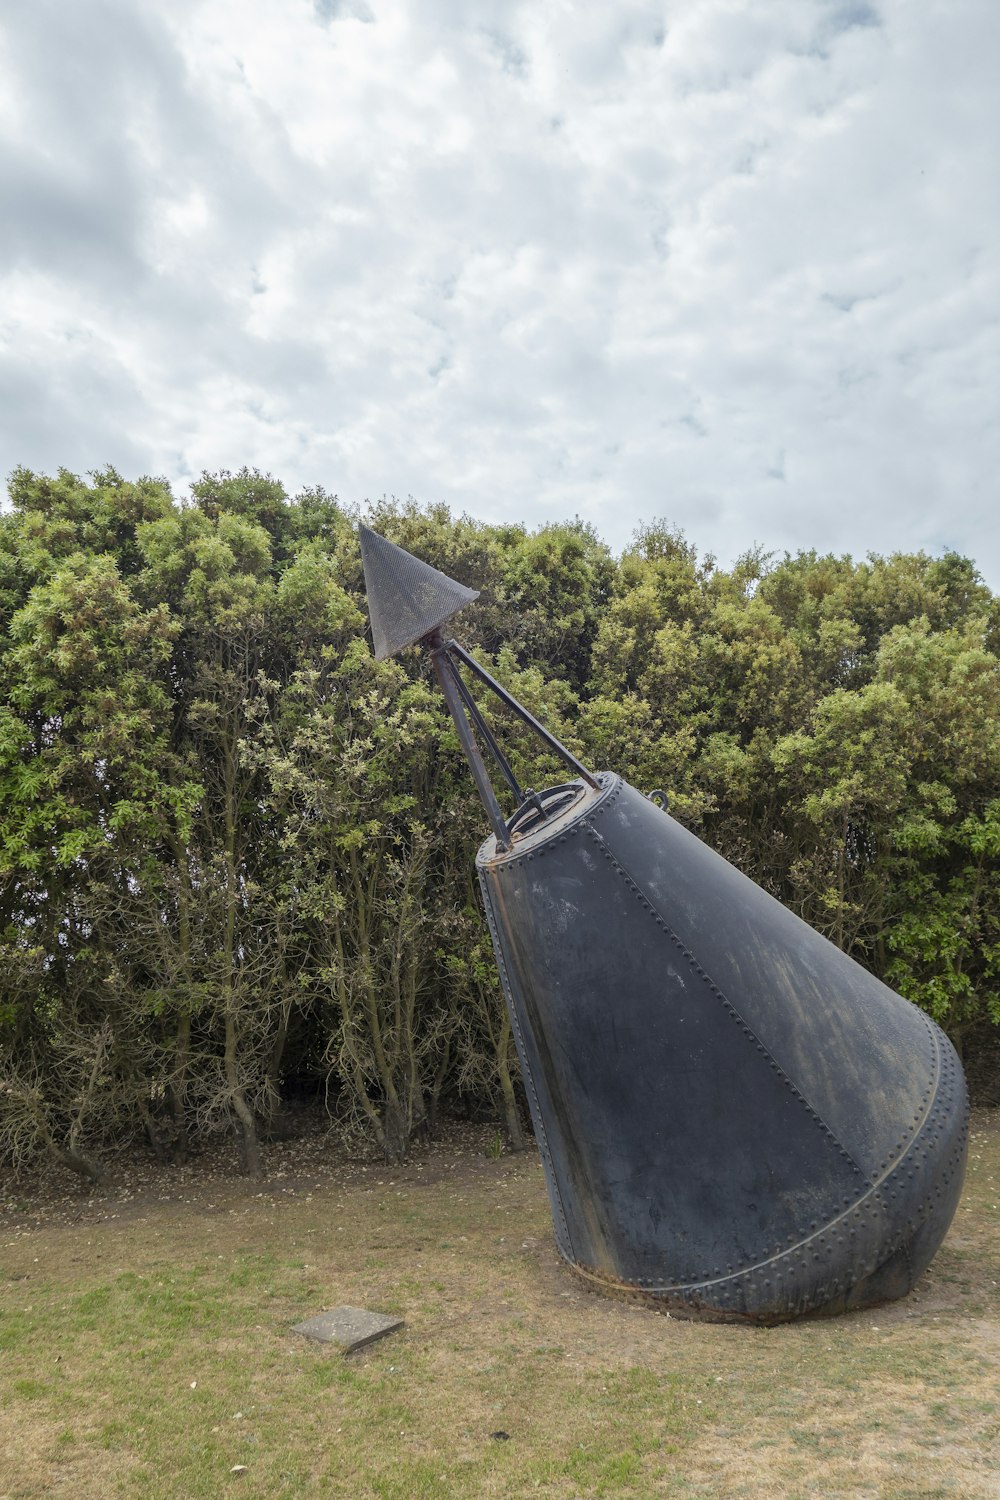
(735, 1119)
(407, 598)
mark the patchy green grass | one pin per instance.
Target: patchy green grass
(145, 1350)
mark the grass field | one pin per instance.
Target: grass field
(145, 1350)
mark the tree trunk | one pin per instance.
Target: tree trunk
(80, 1162)
(178, 1088)
(395, 1135)
(244, 1114)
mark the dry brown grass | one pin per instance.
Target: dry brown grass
(145, 1350)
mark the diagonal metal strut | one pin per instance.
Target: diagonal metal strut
(484, 729)
(511, 702)
(446, 675)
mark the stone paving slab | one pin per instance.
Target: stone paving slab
(349, 1327)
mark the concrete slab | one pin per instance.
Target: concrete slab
(349, 1328)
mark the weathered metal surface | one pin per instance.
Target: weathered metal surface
(407, 598)
(736, 1120)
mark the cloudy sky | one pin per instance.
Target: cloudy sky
(729, 262)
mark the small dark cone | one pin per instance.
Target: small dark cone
(407, 598)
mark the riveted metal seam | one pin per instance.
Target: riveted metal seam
(778, 1263)
(730, 1008)
(611, 787)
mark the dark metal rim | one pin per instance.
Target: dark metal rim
(490, 853)
(536, 807)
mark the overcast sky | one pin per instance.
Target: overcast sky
(733, 264)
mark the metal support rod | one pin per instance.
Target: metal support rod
(455, 649)
(443, 670)
(486, 732)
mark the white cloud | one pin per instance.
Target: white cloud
(731, 264)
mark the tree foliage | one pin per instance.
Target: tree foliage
(236, 852)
